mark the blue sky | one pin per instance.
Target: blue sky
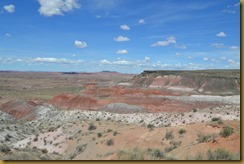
(127, 36)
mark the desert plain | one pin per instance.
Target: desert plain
(155, 115)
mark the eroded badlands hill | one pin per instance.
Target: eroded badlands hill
(216, 82)
(160, 115)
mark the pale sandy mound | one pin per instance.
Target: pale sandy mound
(122, 108)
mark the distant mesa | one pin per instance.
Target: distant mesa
(212, 82)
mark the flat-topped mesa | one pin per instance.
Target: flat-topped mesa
(213, 82)
(224, 73)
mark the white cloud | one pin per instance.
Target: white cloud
(189, 57)
(223, 58)
(213, 60)
(104, 61)
(218, 45)
(56, 7)
(177, 54)
(205, 59)
(9, 8)
(221, 34)
(122, 52)
(141, 21)
(80, 44)
(121, 39)
(237, 4)
(231, 61)
(124, 27)
(169, 40)
(234, 47)
(181, 46)
(147, 59)
(8, 35)
(229, 11)
(51, 60)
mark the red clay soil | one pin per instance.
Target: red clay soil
(68, 101)
(20, 108)
(98, 97)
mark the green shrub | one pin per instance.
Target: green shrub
(44, 151)
(115, 133)
(92, 127)
(132, 154)
(181, 131)
(214, 119)
(4, 149)
(99, 135)
(150, 126)
(169, 135)
(109, 130)
(227, 131)
(155, 154)
(221, 154)
(205, 138)
(170, 148)
(110, 142)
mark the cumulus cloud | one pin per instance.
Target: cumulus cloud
(56, 7)
(104, 61)
(234, 47)
(141, 21)
(218, 45)
(147, 59)
(221, 34)
(8, 35)
(51, 60)
(229, 11)
(9, 8)
(169, 40)
(122, 52)
(80, 44)
(121, 39)
(205, 59)
(181, 46)
(223, 58)
(177, 54)
(232, 62)
(124, 27)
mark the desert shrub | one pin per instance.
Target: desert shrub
(80, 148)
(97, 119)
(35, 139)
(92, 127)
(181, 131)
(115, 133)
(109, 130)
(170, 148)
(155, 154)
(214, 119)
(132, 154)
(175, 143)
(205, 138)
(4, 149)
(110, 142)
(44, 151)
(227, 131)
(99, 134)
(150, 126)
(169, 135)
(194, 110)
(221, 154)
